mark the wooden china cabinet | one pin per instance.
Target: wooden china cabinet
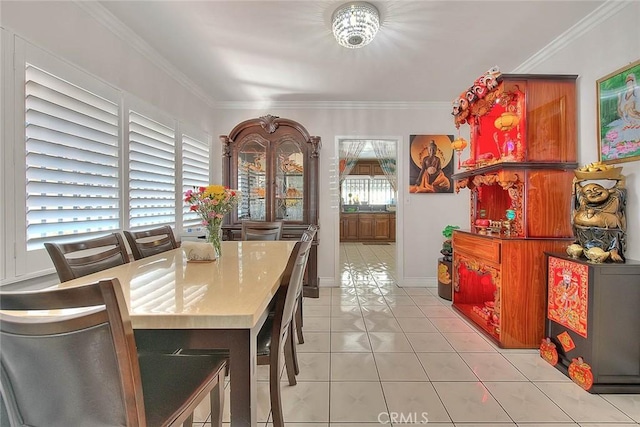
(274, 163)
(520, 170)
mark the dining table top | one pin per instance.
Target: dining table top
(166, 291)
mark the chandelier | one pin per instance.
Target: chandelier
(355, 24)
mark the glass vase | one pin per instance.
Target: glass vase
(214, 236)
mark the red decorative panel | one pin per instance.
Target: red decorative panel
(568, 294)
(566, 341)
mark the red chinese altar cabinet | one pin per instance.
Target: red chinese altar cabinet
(522, 157)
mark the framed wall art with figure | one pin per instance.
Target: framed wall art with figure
(430, 164)
(619, 115)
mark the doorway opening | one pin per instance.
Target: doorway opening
(369, 215)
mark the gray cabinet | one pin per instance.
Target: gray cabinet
(592, 313)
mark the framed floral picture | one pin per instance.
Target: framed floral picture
(619, 115)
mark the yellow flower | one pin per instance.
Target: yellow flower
(214, 191)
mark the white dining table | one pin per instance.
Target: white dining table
(174, 303)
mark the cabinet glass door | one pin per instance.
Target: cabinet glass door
(252, 178)
(289, 173)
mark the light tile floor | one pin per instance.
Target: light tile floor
(374, 350)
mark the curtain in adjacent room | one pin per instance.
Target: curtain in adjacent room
(349, 153)
(386, 155)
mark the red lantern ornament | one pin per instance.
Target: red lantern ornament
(580, 373)
(458, 145)
(548, 351)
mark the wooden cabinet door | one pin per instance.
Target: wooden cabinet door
(377, 169)
(352, 227)
(366, 230)
(392, 227)
(364, 168)
(381, 227)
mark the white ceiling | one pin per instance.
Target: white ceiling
(283, 51)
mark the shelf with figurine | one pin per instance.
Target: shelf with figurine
(522, 154)
(516, 118)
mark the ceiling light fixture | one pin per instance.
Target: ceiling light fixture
(355, 24)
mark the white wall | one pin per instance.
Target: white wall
(612, 44)
(69, 32)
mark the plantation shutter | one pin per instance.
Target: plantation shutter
(72, 160)
(152, 188)
(195, 173)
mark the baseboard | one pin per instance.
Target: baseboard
(419, 282)
(327, 282)
(410, 282)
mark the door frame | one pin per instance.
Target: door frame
(399, 141)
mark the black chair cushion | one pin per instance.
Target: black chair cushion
(163, 394)
(264, 336)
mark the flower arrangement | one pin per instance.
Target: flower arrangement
(212, 203)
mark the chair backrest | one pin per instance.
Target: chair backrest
(77, 259)
(261, 230)
(291, 282)
(309, 233)
(150, 242)
(72, 368)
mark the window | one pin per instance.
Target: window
(152, 183)
(195, 173)
(367, 191)
(84, 159)
(71, 164)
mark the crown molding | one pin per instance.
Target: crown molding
(108, 20)
(334, 105)
(595, 18)
(111, 22)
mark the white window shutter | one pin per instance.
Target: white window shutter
(195, 173)
(72, 150)
(152, 183)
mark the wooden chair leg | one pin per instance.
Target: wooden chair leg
(274, 388)
(299, 318)
(289, 359)
(217, 400)
(294, 351)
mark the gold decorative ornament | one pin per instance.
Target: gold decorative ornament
(598, 170)
(574, 250)
(507, 121)
(596, 255)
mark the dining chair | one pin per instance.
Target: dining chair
(276, 336)
(261, 230)
(77, 259)
(307, 236)
(150, 242)
(76, 364)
